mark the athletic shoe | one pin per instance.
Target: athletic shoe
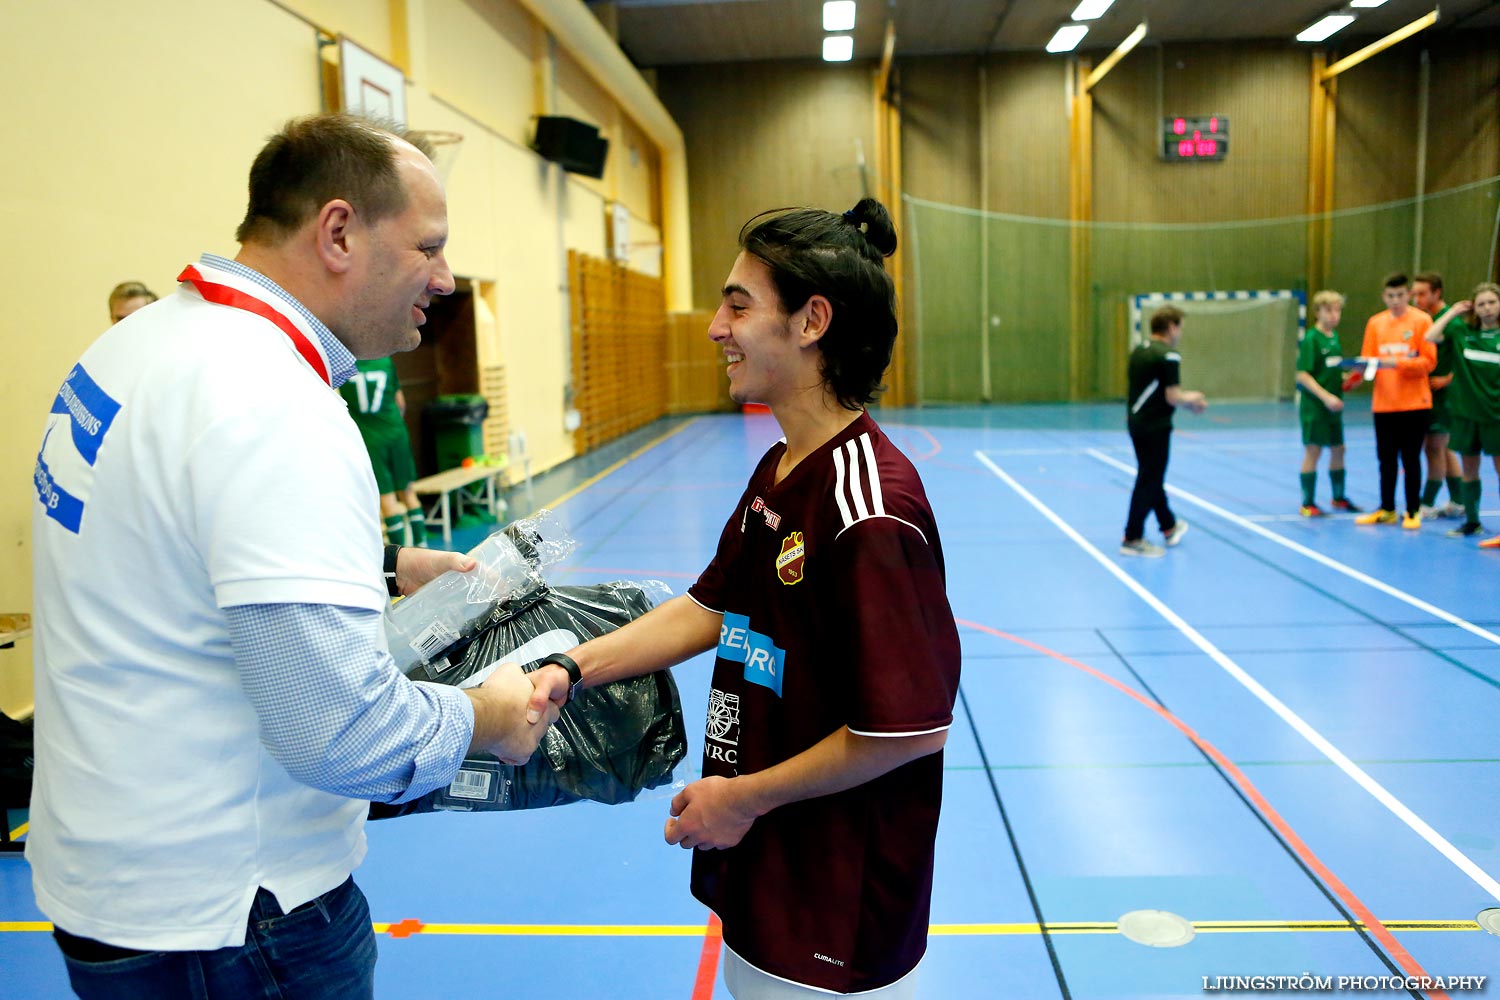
(1411, 522)
(1490, 543)
(1310, 510)
(1469, 529)
(1173, 538)
(1452, 510)
(1377, 517)
(1428, 513)
(1344, 505)
(1141, 547)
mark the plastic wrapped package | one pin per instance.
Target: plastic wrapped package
(450, 610)
(610, 744)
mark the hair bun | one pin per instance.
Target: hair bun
(874, 223)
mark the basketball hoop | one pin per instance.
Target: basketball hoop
(445, 146)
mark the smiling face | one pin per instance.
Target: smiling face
(768, 360)
(403, 266)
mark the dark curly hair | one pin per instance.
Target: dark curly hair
(842, 258)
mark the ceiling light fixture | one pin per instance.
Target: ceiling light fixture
(1319, 30)
(1366, 3)
(1067, 38)
(838, 15)
(1090, 10)
(838, 48)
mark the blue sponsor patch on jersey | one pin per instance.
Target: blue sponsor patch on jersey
(60, 505)
(90, 412)
(90, 407)
(764, 661)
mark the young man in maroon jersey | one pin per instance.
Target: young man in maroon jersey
(838, 657)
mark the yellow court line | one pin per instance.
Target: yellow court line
(20, 831)
(937, 930)
(628, 458)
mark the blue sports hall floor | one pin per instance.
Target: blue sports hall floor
(1283, 733)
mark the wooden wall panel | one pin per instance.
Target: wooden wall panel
(1026, 135)
(619, 330)
(1463, 142)
(1263, 88)
(1375, 150)
(696, 382)
(762, 136)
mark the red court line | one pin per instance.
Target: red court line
(1358, 908)
(924, 456)
(708, 961)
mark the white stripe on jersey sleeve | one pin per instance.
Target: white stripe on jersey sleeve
(888, 517)
(877, 502)
(920, 732)
(856, 488)
(838, 486)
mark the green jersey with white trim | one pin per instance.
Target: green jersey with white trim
(1319, 356)
(371, 395)
(1475, 393)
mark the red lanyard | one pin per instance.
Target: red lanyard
(224, 295)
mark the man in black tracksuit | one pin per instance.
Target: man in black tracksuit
(1154, 394)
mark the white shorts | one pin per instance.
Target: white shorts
(746, 982)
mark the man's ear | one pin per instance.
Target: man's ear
(336, 223)
(812, 320)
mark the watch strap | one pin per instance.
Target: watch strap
(575, 675)
(391, 588)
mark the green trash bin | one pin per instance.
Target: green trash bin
(455, 426)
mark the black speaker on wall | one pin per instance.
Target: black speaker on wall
(576, 145)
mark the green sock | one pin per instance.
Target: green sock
(1456, 489)
(1471, 501)
(1430, 492)
(1336, 477)
(1309, 487)
(395, 530)
(416, 521)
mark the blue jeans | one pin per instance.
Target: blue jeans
(322, 949)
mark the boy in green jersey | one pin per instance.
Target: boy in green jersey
(1474, 397)
(377, 406)
(1320, 404)
(1442, 462)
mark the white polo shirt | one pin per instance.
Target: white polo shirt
(193, 461)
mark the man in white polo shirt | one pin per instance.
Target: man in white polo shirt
(216, 703)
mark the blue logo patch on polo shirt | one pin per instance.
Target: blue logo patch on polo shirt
(92, 410)
(764, 661)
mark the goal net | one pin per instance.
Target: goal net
(1235, 345)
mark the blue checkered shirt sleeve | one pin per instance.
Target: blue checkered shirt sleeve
(336, 712)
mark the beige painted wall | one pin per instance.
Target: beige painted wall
(137, 138)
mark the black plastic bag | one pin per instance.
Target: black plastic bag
(609, 745)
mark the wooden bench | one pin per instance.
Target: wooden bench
(455, 483)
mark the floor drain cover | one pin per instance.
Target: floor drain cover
(1490, 920)
(1156, 928)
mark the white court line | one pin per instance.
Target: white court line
(1315, 556)
(1327, 749)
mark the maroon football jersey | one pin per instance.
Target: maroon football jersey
(835, 614)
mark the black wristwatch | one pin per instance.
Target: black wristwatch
(575, 676)
(391, 552)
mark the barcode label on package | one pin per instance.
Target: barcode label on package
(432, 640)
(471, 785)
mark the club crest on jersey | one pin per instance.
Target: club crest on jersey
(773, 519)
(793, 555)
